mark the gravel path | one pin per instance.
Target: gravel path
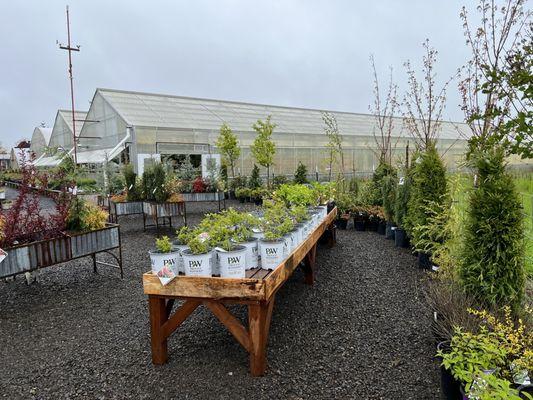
(361, 332)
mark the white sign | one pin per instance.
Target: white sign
(3, 255)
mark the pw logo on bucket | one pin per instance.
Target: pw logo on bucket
(234, 260)
(271, 251)
(195, 263)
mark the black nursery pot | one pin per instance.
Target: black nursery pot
(342, 223)
(389, 232)
(241, 199)
(258, 201)
(451, 388)
(382, 227)
(330, 206)
(400, 238)
(359, 223)
(373, 224)
(424, 260)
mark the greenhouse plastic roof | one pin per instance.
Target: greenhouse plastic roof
(100, 156)
(79, 117)
(46, 132)
(167, 111)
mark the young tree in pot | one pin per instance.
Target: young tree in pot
(344, 206)
(300, 216)
(403, 193)
(164, 260)
(228, 145)
(263, 148)
(130, 178)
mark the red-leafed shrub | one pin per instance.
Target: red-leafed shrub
(198, 186)
(25, 221)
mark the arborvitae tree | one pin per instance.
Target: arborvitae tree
(153, 183)
(388, 193)
(255, 180)
(373, 190)
(300, 176)
(403, 193)
(492, 259)
(428, 187)
(130, 177)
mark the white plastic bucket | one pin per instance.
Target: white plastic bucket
(232, 263)
(197, 264)
(164, 265)
(288, 244)
(252, 254)
(179, 248)
(323, 210)
(272, 253)
(258, 235)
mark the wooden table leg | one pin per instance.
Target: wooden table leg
(309, 266)
(158, 316)
(259, 317)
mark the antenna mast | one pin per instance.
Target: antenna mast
(70, 49)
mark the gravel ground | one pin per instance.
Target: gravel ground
(362, 332)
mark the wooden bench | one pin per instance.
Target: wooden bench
(257, 291)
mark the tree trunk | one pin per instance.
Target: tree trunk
(268, 176)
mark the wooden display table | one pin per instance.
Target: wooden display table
(257, 291)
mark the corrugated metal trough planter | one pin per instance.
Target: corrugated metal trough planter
(125, 208)
(71, 245)
(165, 211)
(211, 196)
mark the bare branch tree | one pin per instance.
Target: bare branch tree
(424, 103)
(489, 97)
(334, 145)
(383, 110)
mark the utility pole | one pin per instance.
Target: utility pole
(70, 49)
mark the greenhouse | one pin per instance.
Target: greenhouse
(61, 136)
(153, 126)
(39, 140)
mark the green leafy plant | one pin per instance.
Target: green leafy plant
(299, 213)
(198, 245)
(300, 176)
(279, 180)
(324, 192)
(163, 244)
(276, 220)
(403, 195)
(295, 194)
(83, 216)
(492, 258)
(263, 148)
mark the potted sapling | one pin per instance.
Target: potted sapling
(300, 217)
(164, 260)
(197, 259)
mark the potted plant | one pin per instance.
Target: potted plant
(180, 244)
(344, 205)
(300, 217)
(276, 224)
(197, 259)
(164, 260)
(400, 209)
(231, 256)
(242, 233)
(360, 217)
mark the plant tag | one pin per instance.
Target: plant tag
(130, 186)
(255, 230)
(153, 191)
(435, 316)
(401, 181)
(3, 255)
(75, 190)
(220, 249)
(434, 268)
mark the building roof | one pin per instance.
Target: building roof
(79, 116)
(167, 111)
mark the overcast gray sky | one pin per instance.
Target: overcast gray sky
(306, 53)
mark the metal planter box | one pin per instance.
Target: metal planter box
(212, 196)
(125, 208)
(163, 210)
(44, 253)
(87, 243)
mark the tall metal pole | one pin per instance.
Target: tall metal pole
(70, 49)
